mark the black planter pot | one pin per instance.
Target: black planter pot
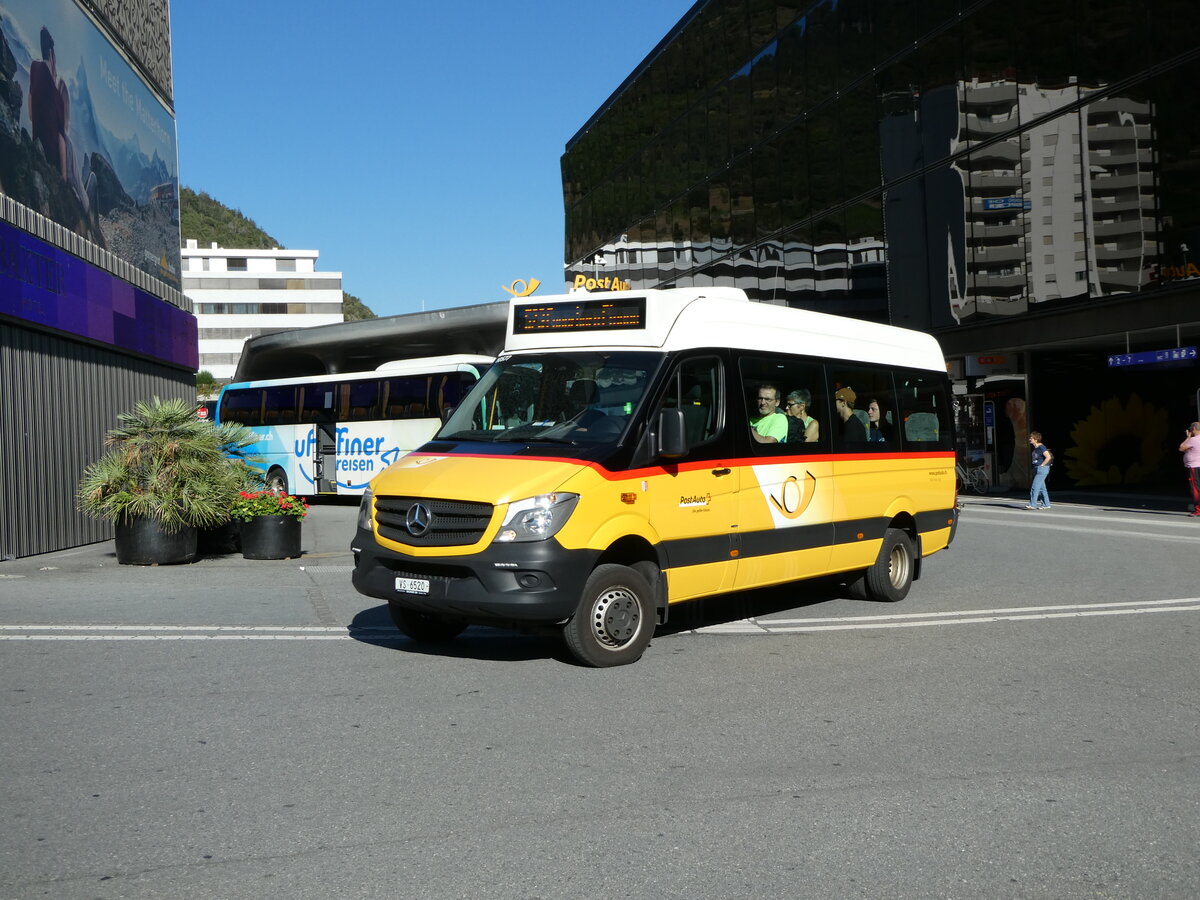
(142, 542)
(271, 537)
(218, 541)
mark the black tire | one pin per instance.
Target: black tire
(889, 579)
(615, 618)
(276, 481)
(425, 628)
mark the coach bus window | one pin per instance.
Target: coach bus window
(242, 406)
(364, 401)
(280, 406)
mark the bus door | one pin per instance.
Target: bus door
(693, 505)
(320, 401)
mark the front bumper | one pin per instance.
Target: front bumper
(531, 583)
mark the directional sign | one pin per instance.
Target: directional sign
(1149, 357)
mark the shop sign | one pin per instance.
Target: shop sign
(1150, 357)
(600, 284)
(1007, 203)
(991, 364)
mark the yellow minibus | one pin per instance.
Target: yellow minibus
(630, 451)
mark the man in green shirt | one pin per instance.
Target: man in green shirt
(768, 427)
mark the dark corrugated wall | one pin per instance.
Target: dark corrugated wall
(58, 398)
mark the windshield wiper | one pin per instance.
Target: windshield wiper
(530, 432)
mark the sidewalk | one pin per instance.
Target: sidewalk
(1110, 500)
(326, 535)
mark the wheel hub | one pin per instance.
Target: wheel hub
(616, 617)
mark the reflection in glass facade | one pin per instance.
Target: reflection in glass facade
(925, 163)
(1020, 178)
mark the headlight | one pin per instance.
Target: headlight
(364, 509)
(537, 518)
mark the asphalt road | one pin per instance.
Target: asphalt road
(1024, 724)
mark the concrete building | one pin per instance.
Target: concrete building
(240, 294)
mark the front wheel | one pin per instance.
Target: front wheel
(276, 481)
(424, 628)
(614, 620)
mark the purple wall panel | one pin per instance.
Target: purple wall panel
(47, 286)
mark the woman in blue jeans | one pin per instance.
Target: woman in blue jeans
(1040, 461)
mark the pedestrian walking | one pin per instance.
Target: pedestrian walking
(1040, 461)
(1190, 448)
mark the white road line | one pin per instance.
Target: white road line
(1042, 523)
(1020, 610)
(1045, 516)
(982, 620)
(30, 632)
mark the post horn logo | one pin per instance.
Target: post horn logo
(520, 289)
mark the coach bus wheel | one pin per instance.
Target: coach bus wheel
(891, 576)
(276, 481)
(615, 619)
(424, 628)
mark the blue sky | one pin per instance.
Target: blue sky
(416, 145)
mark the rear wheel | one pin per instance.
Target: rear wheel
(425, 628)
(891, 575)
(276, 481)
(615, 618)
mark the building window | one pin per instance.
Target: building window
(236, 264)
(285, 265)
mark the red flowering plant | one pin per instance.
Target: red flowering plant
(252, 504)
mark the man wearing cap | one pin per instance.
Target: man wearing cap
(852, 427)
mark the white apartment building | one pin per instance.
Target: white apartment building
(239, 294)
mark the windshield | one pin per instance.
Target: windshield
(575, 397)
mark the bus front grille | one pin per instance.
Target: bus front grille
(422, 522)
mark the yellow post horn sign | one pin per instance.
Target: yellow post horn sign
(520, 289)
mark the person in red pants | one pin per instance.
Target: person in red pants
(1190, 448)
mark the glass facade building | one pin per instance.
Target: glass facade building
(1018, 178)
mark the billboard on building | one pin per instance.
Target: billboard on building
(83, 140)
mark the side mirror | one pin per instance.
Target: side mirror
(672, 438)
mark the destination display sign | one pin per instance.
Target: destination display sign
(580, 315)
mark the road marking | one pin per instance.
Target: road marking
(193, 633)
(1053, 522)
(980, 616)
(743, 626)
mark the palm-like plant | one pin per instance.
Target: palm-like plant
(165, 464)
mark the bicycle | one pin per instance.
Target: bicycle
(973, 478)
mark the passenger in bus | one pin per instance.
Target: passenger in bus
(878, 431)
(768, 426)
(802, 428)
(853, 431)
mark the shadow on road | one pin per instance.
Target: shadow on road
(374, 626)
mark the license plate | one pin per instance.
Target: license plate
(412, 585)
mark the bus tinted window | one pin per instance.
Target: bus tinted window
(243, 406)
(864, 408)
(364, 401)
(279, 405)
(798, 386)
(924, 410)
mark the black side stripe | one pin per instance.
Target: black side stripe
(768, 542)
